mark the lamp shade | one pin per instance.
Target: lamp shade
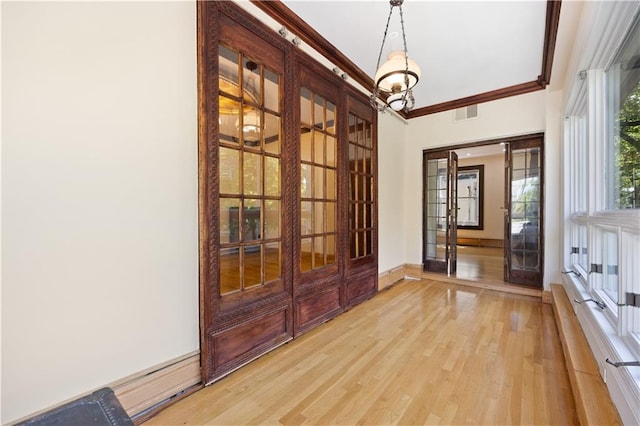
(397, 101)
(392, 73)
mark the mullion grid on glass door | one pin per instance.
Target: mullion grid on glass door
(318, 181)
(360, 188)
(249, 159)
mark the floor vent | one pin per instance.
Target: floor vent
(466, 113)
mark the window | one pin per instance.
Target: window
(604, 265)
(623, 104)
(583, 251)
(470, 187)
(602, 188)
(576, 136)
(629, 249)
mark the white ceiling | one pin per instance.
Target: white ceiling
(462, 47)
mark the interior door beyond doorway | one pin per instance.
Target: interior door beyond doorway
(441, 209)
(524, 208)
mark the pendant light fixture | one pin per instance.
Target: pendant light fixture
(251, 123)
(398, 75)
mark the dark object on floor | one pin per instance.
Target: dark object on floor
(100, 408)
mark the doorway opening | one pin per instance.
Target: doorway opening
(482, 211)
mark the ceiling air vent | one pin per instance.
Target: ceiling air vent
(466, 113)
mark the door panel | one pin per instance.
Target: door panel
(441, 209)
(523, 222)
(246, 300)
(362, 263)
(239, 344)
(317, 278)
(317, 306)
(274, 173)
(452, 237)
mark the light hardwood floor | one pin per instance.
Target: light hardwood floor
(421, 352)
(482, 267)
(474, 263)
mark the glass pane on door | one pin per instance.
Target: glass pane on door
(436, 210)
(524, 258)
(525, 210)
(361, 188)
(318, 183)
(249, 159)
(440, 211)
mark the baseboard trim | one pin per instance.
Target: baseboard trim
(480, 242)
(390, 277)
(146, 389)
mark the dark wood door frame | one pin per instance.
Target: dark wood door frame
(523, 275)
(448, 264)
(539, 138)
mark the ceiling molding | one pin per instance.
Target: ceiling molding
(292, 22)
(493, 95)
(282, 14)
(550, 36)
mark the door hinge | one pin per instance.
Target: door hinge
(596, 267)
(506, 164)
(575, 250)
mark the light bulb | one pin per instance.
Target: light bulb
(397, 101)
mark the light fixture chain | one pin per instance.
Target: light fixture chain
(406, 55)
(401, 99)
(384, 37)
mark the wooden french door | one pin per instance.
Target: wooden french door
(440, 211)
(361, 263)
(317, 274)
(524, 178)
(523, 209)
(288, 230)
(246, 297)
(336, 232)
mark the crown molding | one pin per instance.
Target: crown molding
(281, 13)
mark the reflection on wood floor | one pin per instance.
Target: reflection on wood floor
(480, 263)
(421, 352)
(482, 267)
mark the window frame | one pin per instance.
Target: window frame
(478, 198)
(613, 332)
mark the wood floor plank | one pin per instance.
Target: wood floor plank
(421, 352)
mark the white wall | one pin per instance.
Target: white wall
(391, 194)
(99, 195)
